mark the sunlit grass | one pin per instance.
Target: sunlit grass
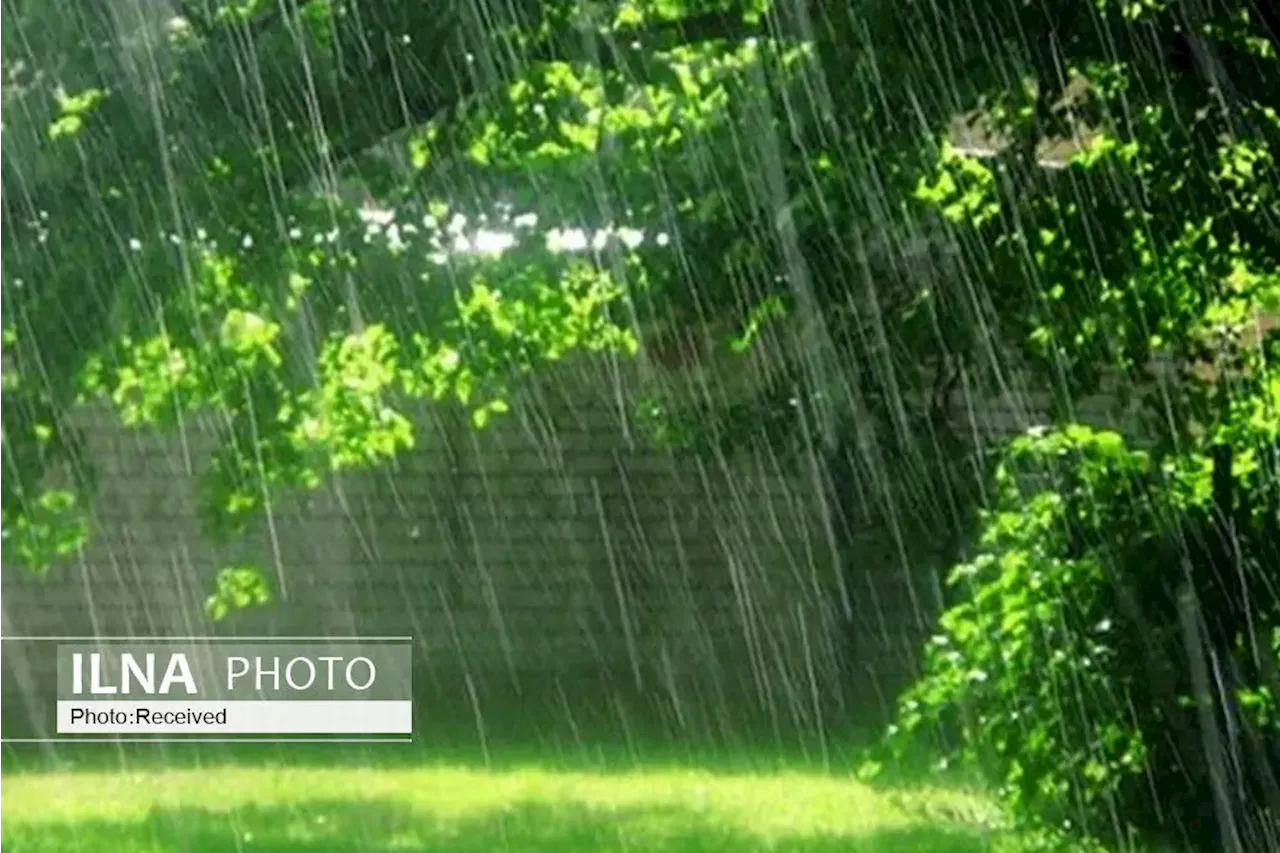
(278, 808)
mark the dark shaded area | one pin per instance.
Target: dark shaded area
(1214, 760)
(346, 827)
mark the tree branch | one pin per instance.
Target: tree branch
(420, 72)
(423, 104)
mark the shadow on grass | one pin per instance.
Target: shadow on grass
(570, 725)
(373, 827)
(597, 756)
(602, 751)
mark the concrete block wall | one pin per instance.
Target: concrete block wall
(547, 548)
(550, 557)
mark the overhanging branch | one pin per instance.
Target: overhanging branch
(310, 119)
(421, 105)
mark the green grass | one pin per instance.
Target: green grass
(516, 790)
(292, 809)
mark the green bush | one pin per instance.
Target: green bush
(1061, 671)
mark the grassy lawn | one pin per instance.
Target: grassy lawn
(307, 807)
(537, 790)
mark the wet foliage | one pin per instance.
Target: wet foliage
(305, 218)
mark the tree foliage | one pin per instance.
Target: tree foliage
(1109, 659)
(255, 209)
(187, 226)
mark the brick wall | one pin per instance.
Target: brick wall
(550, 559)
